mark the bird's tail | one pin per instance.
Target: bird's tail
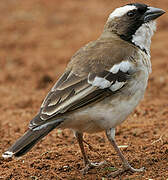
(28, 140)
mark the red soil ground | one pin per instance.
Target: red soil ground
(37, 39)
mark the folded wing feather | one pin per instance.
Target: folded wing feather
(72, 92)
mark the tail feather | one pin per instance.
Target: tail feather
(28, 140)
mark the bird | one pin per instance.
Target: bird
(102, 84)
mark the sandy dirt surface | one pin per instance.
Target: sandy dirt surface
(37, 39)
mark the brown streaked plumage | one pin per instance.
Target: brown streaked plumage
(102, 84)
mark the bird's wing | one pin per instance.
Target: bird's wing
(72, 92)
(87, 79)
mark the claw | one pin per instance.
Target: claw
(91, 165)
(136, 170)
(124, 169)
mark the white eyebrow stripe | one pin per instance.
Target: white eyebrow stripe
(121, 11)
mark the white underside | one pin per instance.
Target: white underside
(107, 114)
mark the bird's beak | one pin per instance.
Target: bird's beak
(152, 13)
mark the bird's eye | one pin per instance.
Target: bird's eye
(131, 13)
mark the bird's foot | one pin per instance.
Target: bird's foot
(91, 165)
(124, 169)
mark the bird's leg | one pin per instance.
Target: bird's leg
(79, 137)
(88, 164)
(126, 166)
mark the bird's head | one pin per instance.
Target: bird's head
(134, 23)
